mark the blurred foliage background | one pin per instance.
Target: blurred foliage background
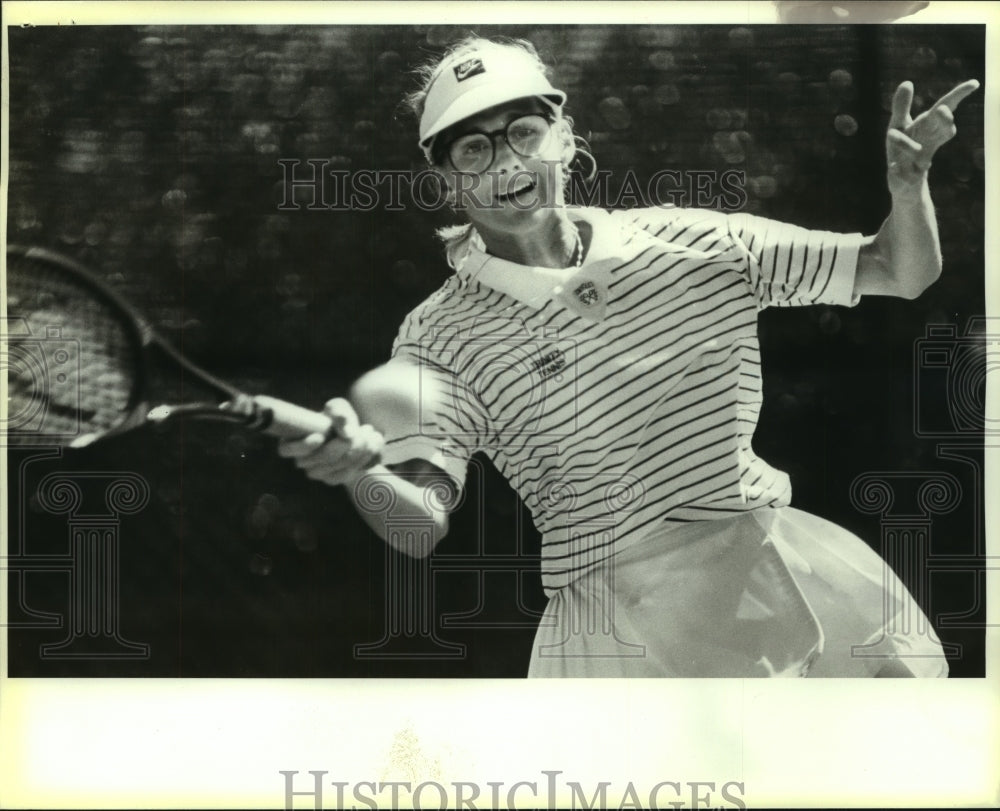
(151, 154)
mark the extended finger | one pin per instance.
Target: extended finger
(957, 94)
(902, 99)
(298, 448)
(942, 124)
(944, 120)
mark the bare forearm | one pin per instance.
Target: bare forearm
(904, 257)
(411, 518)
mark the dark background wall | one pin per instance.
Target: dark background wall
(151, 154)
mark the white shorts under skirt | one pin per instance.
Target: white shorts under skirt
(772, 592)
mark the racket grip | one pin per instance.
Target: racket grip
(289, 421)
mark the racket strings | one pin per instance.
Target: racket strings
(72, 360)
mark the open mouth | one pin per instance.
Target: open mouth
(518, 193)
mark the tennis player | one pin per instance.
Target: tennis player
(607, 363)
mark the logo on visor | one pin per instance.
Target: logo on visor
(468, 68)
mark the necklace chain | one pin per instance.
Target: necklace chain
(577, 256)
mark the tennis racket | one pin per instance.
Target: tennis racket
(83, 365)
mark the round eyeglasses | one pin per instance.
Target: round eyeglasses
(473, 152)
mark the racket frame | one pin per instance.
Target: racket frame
(234, 405)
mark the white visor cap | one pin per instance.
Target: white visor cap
(475, 79)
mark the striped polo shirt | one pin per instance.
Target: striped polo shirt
(622, 396)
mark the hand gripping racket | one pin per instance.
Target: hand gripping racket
(79, 364)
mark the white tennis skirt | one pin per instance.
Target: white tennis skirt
(771, 592)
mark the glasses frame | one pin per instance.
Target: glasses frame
(492, 138)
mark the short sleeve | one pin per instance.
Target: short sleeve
(785, 265)
(789, 265)
(453, 423)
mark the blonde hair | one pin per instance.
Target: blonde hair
(458, 238)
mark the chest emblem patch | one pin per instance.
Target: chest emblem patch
(587, 294)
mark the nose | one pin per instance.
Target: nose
(502, 153)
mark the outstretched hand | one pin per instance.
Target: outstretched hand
(910, 143)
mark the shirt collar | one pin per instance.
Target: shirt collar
(583, 290)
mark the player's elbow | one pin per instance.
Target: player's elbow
(904, 274)
(915, 285)
(913, 277)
